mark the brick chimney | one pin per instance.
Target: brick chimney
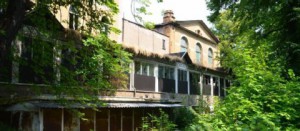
(168, 16)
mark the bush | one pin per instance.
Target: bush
(157, 123)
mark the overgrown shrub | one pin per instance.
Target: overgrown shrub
(157, 123)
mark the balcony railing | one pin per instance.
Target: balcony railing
(145, 83)
(166, 85)
(194, 89)
(183, 87)
(206, 90)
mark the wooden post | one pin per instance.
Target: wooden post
(62, 119)
(41, 121)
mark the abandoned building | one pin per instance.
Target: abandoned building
(174, 65)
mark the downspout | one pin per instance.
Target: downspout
(123, 29)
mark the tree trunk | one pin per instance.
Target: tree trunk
(10, 23)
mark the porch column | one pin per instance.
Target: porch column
(156, 77)
(41, 119)
(211, 92)
(131, 76)
(201, 101)
(133, 120)
(17, 48)
(188, 81)
(219, 87)
(108, 120)
(121, 120)
(224, 85)
(201, 85)
(57, 61)
(62, 119)
(95, 119)
(176, 80)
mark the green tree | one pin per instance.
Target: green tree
(276, 22)
(90, 63)
(139, 10)
(258, 46)
(15, 13)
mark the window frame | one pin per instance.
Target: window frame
(73, 18)
(163, 44)
(167, 72)
(198, 52)
(145, 68)
(210, 56)
(184, 46)
(182, 75)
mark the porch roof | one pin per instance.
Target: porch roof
(35, 105)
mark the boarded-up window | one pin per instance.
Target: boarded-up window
(115, 119)
(138, 114)
(52, 119)
(87, 123)
(102, 120)
(127, 119)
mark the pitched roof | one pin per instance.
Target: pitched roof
(183, 55)
(45, 17)
(180, 23)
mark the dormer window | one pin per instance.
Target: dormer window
(73, 18)
(183, 44)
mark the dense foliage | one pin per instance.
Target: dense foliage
(139, 10)
(81, 62)
(260, 47)
(160, 122)
(275, 22)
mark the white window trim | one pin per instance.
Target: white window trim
(187, 43)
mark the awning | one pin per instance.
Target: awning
(35, 105)
(140, 105)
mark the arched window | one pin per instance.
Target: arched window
(210, 56)
(198, 53)
(105, 26)
(183, 44)
(73, 18)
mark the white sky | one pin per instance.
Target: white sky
(183, 10)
